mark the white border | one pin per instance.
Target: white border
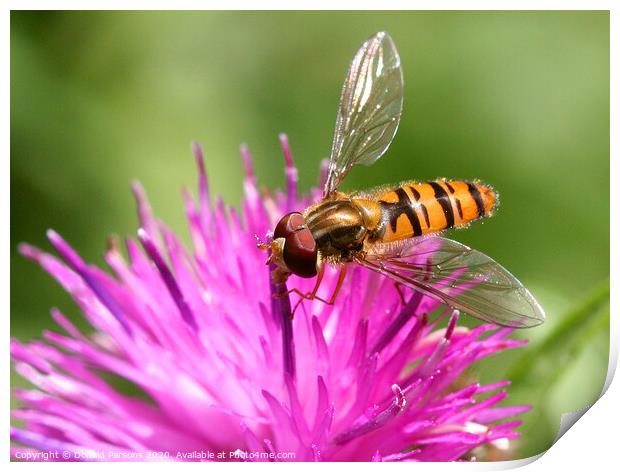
(593, 443)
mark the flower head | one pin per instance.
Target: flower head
(227, 373)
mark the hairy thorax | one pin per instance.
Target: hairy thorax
(342, 226)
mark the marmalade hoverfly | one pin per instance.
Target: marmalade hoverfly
(393, 230)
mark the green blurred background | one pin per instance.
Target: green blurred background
(517, 99)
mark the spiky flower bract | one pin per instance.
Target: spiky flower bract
(227, 373)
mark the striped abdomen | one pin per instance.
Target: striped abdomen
(415, 209)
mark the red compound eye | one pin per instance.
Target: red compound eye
(289, 223)
(300, 253)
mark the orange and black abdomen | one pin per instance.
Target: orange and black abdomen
(416, 209)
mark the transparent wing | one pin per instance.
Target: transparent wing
(463, 279)
(370, 106)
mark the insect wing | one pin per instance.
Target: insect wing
(463, 279)
(370, 107)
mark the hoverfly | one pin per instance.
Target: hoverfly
(393, 230)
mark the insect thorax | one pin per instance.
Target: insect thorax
(338, 228)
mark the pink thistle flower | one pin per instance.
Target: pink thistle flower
(228, 373)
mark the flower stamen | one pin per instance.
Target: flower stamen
(203, 183)
(292, 176)
(365, 425)
(405, 315)
(283, 316)
(168, 278)
(76, 263)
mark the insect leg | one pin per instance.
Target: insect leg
(313, 295)
(397, 286)
(310, 295)
(341, 276)
(319, 279)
